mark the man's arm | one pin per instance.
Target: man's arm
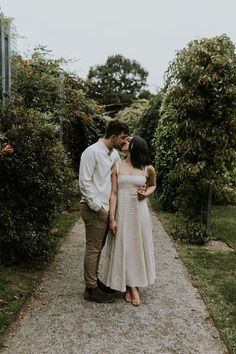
(86, 171)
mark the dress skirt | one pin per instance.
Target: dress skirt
(129, 254)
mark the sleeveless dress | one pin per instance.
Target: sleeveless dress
(129, 257)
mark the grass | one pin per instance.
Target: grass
(17, 282)
(15, 285)
(224, 224)
(213, 272)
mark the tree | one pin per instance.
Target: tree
(196, 135)
(48, 107)
(63, 97)
(118, 81)
(131, 115)
(38, 81)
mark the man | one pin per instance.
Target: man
(95, 186)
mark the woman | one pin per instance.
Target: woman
(130, 259)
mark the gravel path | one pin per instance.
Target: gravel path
(171, 319)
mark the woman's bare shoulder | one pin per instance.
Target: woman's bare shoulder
(117, 166)
(151, 169)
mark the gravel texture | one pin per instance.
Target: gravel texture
(172, 317)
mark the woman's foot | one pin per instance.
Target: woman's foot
(135, 298)
(128, 295)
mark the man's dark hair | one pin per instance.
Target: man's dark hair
(139, 155)
(116, 127)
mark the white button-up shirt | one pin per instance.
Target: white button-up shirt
(95, 175)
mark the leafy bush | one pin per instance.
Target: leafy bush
(148, 121)
(131, 115)
(227, 194)
(83, 121)
(196, 136)
(44, 86)
(39, 81)
(36, 180)
(193, 232)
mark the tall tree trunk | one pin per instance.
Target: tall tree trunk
(206, 210)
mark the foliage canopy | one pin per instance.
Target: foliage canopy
(196, 135)
(131, 115)
(48, 107)
(63, 97)
(118, 81)
(148, 122)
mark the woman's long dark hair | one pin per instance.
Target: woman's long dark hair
(139, 155)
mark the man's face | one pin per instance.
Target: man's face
(119, 140)
(125, 146)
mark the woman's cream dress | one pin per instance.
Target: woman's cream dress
(129, 254)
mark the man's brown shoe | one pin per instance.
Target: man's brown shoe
(97, 295)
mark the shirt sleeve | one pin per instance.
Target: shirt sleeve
(87, 167)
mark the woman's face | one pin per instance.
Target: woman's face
(125, 147)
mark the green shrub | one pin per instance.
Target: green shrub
(192, 232)
(44, 86)
(36, 180)
(148, 121)
(131, 115)
(196, 136)
(227, 194)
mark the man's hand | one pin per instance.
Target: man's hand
(113, 227)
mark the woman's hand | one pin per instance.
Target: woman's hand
(141, 191)
(113, 227)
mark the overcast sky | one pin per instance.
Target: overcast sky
(89, 31)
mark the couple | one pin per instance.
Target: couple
(114, 196)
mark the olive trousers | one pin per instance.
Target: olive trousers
(96, 228)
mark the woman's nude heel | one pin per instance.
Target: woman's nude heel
(128, 295)
(136, 302)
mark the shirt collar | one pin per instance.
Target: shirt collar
(104, 147)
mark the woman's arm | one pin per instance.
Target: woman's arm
(113, 201)
(151, 184)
